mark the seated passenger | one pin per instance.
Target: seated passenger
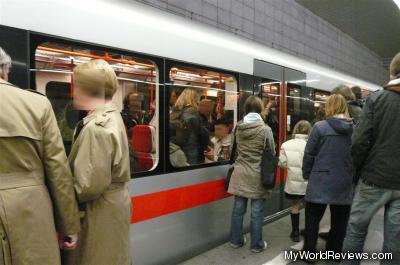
(221, 142)
(191, 136)
(130, 112)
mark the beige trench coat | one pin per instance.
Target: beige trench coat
(32, 155)
(99, 160)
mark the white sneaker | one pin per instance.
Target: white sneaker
(236, 245)
(258, 250)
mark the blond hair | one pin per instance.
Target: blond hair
(395, 66)
(96, 77)
(187, 97)
(336, 104)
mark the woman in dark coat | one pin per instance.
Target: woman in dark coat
(327, 165)
(190, 135)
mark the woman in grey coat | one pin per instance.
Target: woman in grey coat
(252, 136)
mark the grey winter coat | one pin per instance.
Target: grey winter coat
(354, 111)
(246, 177)
(327, 163)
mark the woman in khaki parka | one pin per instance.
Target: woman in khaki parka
(252, 137)
(99, 160)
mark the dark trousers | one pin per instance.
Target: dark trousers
(339, 218)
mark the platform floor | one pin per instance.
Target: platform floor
(277, 236)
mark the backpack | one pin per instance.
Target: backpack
(181, 127)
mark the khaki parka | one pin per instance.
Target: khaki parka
(251, 139)
(36, 187)
(99, 160)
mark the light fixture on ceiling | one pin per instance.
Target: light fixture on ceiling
(397, 2)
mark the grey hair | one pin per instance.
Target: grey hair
(5, 59)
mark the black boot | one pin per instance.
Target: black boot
(295, 235)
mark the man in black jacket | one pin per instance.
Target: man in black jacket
(376, 158)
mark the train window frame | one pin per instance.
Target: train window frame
(169, 64)
(36, 39)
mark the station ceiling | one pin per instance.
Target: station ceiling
(374, 23)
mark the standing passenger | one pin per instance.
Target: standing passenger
(191, 136)
(376, 158)
(252, 137)
(354, 109)
(35, 179)
(291, 158)
(327, 165)
(100, 164)
(359, 97)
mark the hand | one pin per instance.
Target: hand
(68, 242)
(209, 154)
(265, 112)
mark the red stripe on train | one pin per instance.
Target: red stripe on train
(164, 202)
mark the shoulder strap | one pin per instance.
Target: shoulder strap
(266, 143)
(233, 151)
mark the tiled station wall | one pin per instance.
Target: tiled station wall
(284, 25)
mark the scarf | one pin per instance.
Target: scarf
(252, 117)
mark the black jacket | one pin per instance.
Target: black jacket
(376, 140)
(189, 134)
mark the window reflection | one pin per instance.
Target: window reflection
(136, 96)
(203, 107)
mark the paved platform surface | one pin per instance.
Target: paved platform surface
(277, 236)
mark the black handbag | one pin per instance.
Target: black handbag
(269, 163)
(231, 162)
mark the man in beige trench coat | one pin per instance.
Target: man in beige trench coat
(35, 179)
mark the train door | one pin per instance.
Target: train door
(298, 105)
(268, 84)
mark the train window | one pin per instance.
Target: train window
(136, 98)
(245, 90)
(203, 109)
(320, 98)
(269, 92)
(299, 106)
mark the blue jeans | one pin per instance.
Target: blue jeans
(256, 221)
(367, 201)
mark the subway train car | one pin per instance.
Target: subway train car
(178, 211)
